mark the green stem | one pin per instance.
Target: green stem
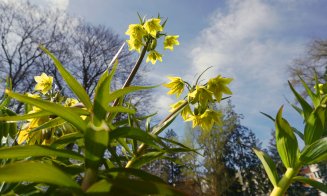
(89, 179)
(285, 182)
(143, 146)
(134, 71)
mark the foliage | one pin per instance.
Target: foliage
(314, 137)
(77, 144)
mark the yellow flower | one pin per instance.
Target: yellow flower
(44, 83)
(153, 56)
(35, 96)
(176, 105)
(170, 41)
(186, 112)
(70, 102)
(201, 95)
(152, 26)
(135, 44)
(176, 86)
(206, 120)
(218, 86)
(135, 31)
(34, 137)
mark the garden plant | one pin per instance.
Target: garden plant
(77, 146)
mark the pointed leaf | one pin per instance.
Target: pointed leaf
(315, 99)
(316, 152)
(120, 109)
(35, 172)
(67, 139)
(64, 112)
(134, 133)
(73, 84)
(146, 158)
(286, 141)
(269, 166)
(49, 124)
(299, 133)
(313, 183)
(268, 116)
(313, 128)
(306, 108)
(25, 116)
(102, 93)
(17, 152)
(121, 92)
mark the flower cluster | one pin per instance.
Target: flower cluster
(43, 90)
(146, 35)
(201, 98)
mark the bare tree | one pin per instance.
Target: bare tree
(314, 62)
(84, 49)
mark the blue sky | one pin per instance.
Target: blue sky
(252, 41)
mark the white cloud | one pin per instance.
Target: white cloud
(52, 4)
(246, 43)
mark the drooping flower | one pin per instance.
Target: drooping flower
(135, 44)
(135, 31)
(201, 95)
(219, 86)
(176, 86)
(44, 83)
(32, 137)
(154, 56)
(152, 26)
(206, 120)
(170, 41)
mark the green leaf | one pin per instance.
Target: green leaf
(64, 112)
(314, 153)
(134, 133)
(49, 124)
(121, 92)
(16, 152)
(67, 139)
(35, 172)
(286, 141)
(299, 133)
(313, 183)
(269, 166)
(306, 108)
(102, 93)
(25, 116)
(268, 116)
(313, 128)
(117, 186)
(315, 98)
(143, 159)
(137, 173)
(73, 84)
(120, 109)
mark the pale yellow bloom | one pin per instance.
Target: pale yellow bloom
(206, 120)
(70, 102)
(44, 83)
(201, 95)
(154, 56)
(35, 96)
(135, 44)
(152, 26)
(219, 86)
(170, 41)
(135, 31)
(176, 86)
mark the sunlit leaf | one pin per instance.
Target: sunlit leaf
(313, 128)
(313, 183)
(36, 172)
(286, 141)
(306, 107)
(64, 112)
(269, 166)
(73, 84)
(17, 152)
(315, 152)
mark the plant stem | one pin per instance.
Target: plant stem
(134, 71)
(89, 179)
(285, 182)
(143, 146)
